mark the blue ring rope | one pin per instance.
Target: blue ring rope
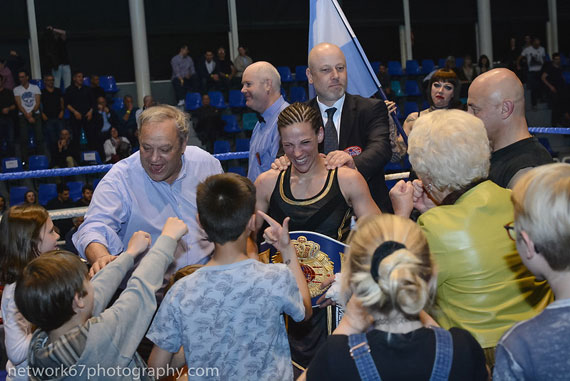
(549, 130)
(93, 168)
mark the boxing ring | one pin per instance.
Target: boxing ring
(74, 212)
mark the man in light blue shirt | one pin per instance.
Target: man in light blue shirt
(262, 90)
(143, 190)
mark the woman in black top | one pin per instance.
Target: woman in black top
(390, 273)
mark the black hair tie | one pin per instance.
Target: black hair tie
(381, 252)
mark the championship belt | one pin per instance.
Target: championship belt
(319, 257)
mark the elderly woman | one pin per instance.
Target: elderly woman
(443, 93)
(483, 286)
(390, 272)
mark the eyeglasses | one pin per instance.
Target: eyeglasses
(511, 232)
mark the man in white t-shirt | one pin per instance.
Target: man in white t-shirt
(27, 98)
(534, 55)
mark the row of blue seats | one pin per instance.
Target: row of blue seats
(47, 192)
(107, 82)
(38, 162)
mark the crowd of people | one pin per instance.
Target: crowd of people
(450, 271)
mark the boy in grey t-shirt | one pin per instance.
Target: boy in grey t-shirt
(228, 315)
(537, 349)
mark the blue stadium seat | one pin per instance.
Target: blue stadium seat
(38, 82)
(238, 170)
(242, 145)
(412, 67)
(221, 146)
(285, 73)
(441, 63)
(75, 189)
(298, 94)
(231, 126)
(46, 192)
(118, 103)
(412, 88)
(566, 75)
(87, 81)
(193, 101)
(427, 66)
(237, 99)
(217, 99)
(248, 121)
(459, 62)
(397, 88)
(301, 73)
(17, 195)
(11, 164)
(90, 158)
(395, 68)
(37, 162)
(410, 107)
(107, 82)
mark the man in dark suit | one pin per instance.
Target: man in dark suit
(208, 72)
(360, 124)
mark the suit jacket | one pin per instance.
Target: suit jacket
(202, 71)
(365, 132)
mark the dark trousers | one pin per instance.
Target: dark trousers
(533, 83)
(52, 128)
(25, 127)
(6, 136)
(188, 85)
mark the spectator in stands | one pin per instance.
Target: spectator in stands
(127, 118)
(64, 153)
(96, 90)
(497, 98)
(103, 120)
(52, 110)
(27, 232)
(558, 91)
(62, 201)
(262, 91)
(184, 78)
(483, 65)
(511, 60)
(116, 147)
(30, 198)
(465, 75)
(86, 195)
(443, 93)
(148, 101)
(226, 209)
(392, 278)
(208, 122)
(226, 68)
(3, 204)
(57, 295)
(535, 57)
(537, 349)
(55, 49)
(16, 64)
(146, 187)
(385, 81)
(241, 62)
(6, 73)
(79, 101)
(483, 286)
(208, 72)
(7, 108)
(28, 98)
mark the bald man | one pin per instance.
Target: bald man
(262, 90)
(497, 98)
(358, 133)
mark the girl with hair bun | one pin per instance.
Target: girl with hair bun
(390, 274)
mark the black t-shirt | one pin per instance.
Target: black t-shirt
(51, 102)
(81, 99)
(225, 66)
(507, 161)
(554, 76)
(6, 99)
(407, 356)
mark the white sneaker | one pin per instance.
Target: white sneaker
(181, 102)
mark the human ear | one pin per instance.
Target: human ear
(530, 248)
(321, 134)
(507, 108)
(78, 303)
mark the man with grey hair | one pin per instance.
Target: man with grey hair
(262, 90)
(143, 190)
(497, 98)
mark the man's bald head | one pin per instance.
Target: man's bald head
(327, 72)
(497, 98)
(261, 85)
